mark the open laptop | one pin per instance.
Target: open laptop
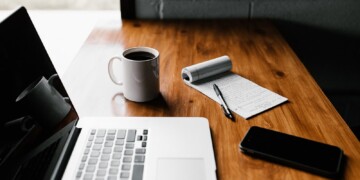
(89, 148)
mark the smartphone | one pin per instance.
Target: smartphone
(304, 154)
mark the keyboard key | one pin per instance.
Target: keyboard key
(93, 131)
(143, 144)
(127, 159)
(108, 144)
(103, 165)
(88, 176)
(86, 152)
(112, 178)
(105, 157)
(113, 171)
(138, 171)
(88, 144)
(131, 136)
(121, 134)
(107, 150)
(145, 132)
(139, 138)
(145, 138)
(101, 133)
(116, 156)
(78, 174)
(115, 163)
(118, 149)
(84, 158)
(95, 154)
(101, 172)
(91, 138)
(119, 142)
(124, 175)
(129, 146)
(139, 159)
(126, 167)
(140, 151)
(90, 168)
(93, 161)
(110, 138)
(129, 152)
(112, 131)
(99, 140)
(82, 165)
(97, 147)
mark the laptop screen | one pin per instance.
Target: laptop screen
(30, 87)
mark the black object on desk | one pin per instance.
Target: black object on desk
(226, 109)
(304, 154)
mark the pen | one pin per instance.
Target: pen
(222, 102)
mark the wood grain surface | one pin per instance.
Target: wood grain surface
(258, 53)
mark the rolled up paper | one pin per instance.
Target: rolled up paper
(206, 69)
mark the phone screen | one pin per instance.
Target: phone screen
(304, 153)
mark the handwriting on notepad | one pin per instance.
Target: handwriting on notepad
(243, 96)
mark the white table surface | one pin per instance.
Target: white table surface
(64, 31)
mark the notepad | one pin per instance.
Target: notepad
(243, 96)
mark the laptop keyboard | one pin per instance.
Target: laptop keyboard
(114, 154)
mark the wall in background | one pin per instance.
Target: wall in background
(61, 4)
(337, 15)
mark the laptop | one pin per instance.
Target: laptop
(132, 148)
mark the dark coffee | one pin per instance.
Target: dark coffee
(139, 55)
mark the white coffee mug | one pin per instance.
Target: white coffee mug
(44, 103)
(140, 73)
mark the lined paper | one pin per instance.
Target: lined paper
(243, 96)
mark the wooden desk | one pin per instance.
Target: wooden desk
(258, 52)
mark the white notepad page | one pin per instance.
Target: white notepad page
(243, 96)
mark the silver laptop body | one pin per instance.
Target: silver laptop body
(96, 147)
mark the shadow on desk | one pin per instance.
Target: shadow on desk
(142, 109)
(331, 58)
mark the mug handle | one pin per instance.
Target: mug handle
(51, 79)
(111, 70)
(24, 123)
(51, 82)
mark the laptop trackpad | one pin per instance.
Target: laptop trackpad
(180, 169)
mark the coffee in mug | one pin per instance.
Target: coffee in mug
(140, 56)
(140, 73)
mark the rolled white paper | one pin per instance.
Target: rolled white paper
(206, 69)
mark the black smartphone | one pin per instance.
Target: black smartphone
(293, 151)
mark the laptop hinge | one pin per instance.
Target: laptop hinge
(65, 153)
